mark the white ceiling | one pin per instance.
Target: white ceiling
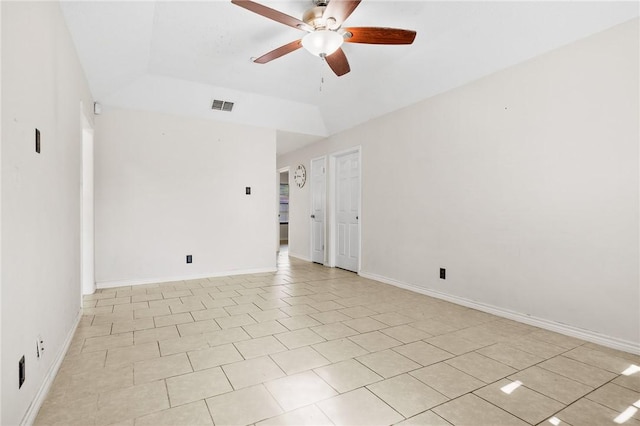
(177, 56)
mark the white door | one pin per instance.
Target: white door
(347, 211)
(318, 197)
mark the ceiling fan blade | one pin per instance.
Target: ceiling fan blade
(379, 35)
(272, 14)
(340, 9)
(338, 62)
(280, 51)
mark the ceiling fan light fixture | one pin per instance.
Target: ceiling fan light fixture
(322, 42)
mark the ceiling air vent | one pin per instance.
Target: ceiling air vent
(219, 105)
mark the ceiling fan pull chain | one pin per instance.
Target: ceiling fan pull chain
(321, 76)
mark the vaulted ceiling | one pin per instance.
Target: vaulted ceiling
(177, 56)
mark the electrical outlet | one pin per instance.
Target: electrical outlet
(247, 190)
(21, 372)
(443, 274)
(189, 259)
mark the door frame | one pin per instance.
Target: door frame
(280, 171)
(324, 226)
(87, 206)
(331, 196)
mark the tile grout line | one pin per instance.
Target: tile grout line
(589, 393)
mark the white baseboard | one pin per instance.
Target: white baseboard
(297, 256)
(32, 412)
(122, 283)
(591, 336)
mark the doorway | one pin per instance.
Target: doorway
(318, 203)
(346, 209)
(283, 210)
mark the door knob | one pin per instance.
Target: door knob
(313, 216)
(357, 217)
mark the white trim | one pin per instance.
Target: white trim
(1, 284)
(330, 215)
(87, 211)
(297, 256)
(32, 412)
(122, 283)
(591, 336)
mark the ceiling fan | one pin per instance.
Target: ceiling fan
(325, 34)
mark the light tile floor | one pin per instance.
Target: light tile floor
(311, 345)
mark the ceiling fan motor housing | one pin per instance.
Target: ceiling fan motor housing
(313, 17)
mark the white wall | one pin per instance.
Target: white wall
(42, 86)
(168, 186)
(523, 185)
